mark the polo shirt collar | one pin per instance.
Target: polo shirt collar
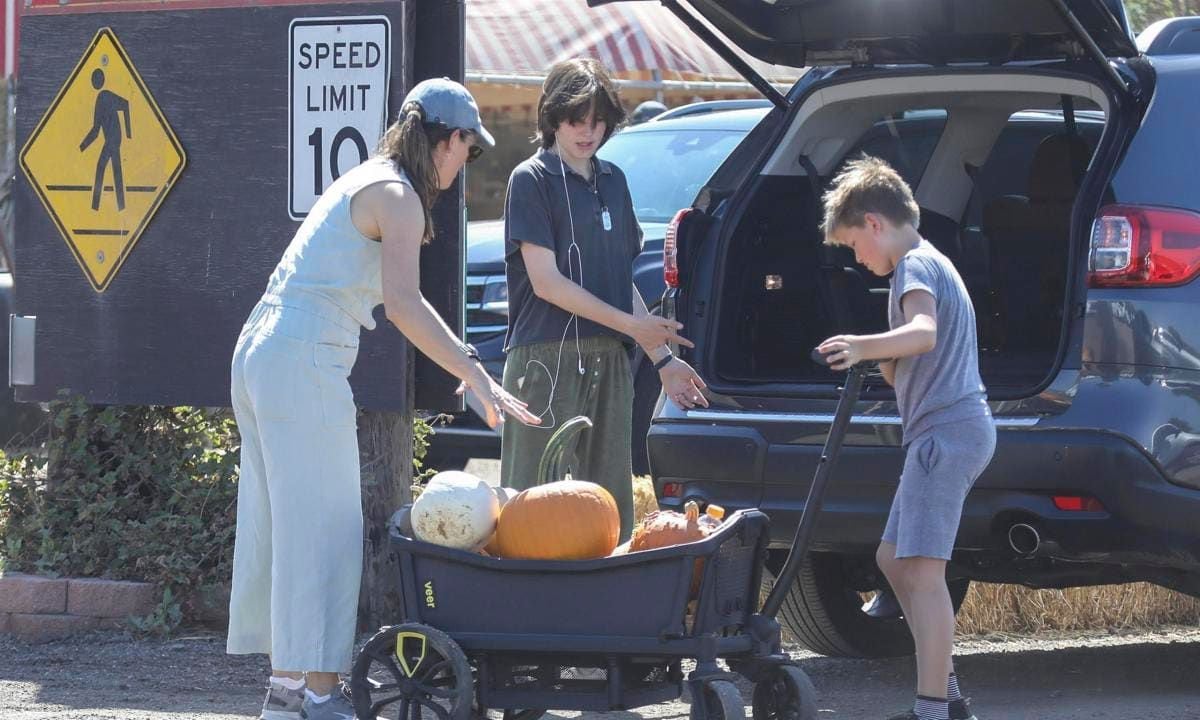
(550, 161)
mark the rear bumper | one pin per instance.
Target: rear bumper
(1146, 521)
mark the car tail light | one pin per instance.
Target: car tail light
(1136, 246)
(672, 489)
(671, 249)
(1078, 503)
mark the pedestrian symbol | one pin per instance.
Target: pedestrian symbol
(102, 159)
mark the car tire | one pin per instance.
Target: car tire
(646, 389)
(823, 611)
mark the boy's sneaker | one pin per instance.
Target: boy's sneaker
(961, 710)
(282, 703)
(337, 707)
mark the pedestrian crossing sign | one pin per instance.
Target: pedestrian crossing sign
(102, 159)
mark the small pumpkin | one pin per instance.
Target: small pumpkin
(456, 509)
(665, 528)
(559, 519)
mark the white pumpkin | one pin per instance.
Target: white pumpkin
(457, 510)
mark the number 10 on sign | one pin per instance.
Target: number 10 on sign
(339, 71)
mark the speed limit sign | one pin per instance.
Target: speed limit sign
(339, 72)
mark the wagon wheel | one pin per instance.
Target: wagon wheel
(720, 700)
(785, 693)
(411, 672)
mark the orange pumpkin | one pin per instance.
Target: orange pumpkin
(667, 527)
(563, 520)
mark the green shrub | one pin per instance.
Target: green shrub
(127, 493)
(131, 493)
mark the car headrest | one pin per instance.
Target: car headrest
(1057, 167)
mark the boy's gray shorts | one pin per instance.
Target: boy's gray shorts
(939, 469)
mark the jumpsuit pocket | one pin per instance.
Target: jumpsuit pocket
(333, 364)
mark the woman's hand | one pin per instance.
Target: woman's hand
(682, 385)
(495, 400)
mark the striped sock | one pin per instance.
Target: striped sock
(952, 691)
(927, 708)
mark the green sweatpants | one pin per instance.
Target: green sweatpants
(604, 393)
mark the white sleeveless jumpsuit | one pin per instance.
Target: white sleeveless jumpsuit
(297, 559)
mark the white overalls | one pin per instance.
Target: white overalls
(297, 559)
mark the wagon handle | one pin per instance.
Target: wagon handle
(557, 445)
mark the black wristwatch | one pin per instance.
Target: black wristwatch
(471, 352)
(665, 361)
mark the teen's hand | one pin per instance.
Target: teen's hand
(495, 400)
(682, 385)
(841, 351)
(651, 331)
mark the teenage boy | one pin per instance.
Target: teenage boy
(570, 241)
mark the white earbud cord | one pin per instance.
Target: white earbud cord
(574, 319)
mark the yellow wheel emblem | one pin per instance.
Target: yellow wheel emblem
(410, 651)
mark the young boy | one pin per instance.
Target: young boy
(931, 358)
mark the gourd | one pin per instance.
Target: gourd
(457, 510)
(667, 527)
(559, 519)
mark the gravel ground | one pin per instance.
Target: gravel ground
(109, 676)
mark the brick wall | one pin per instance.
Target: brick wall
(39, 609)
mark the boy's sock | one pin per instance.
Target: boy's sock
(930, 708)
(288, 683)
(312, 696)
(952, 691)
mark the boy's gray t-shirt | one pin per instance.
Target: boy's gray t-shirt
(942, 385)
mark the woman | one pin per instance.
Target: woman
(298, 552)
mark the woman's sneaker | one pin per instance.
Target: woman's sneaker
(282, 703)
(337, 707)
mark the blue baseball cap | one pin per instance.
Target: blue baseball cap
(449, 103)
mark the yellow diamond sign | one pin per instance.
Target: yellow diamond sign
(102, 159)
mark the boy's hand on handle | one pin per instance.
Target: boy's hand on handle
(495, 400)
(841, 351)
(652, 331)
(682, 385)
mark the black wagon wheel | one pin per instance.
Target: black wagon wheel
(411, 672)
(720, 700)
(785, 693)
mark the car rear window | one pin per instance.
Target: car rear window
(666, 169)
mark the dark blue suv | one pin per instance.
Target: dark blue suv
(1059, 168)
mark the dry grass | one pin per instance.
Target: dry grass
(1012, 608)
